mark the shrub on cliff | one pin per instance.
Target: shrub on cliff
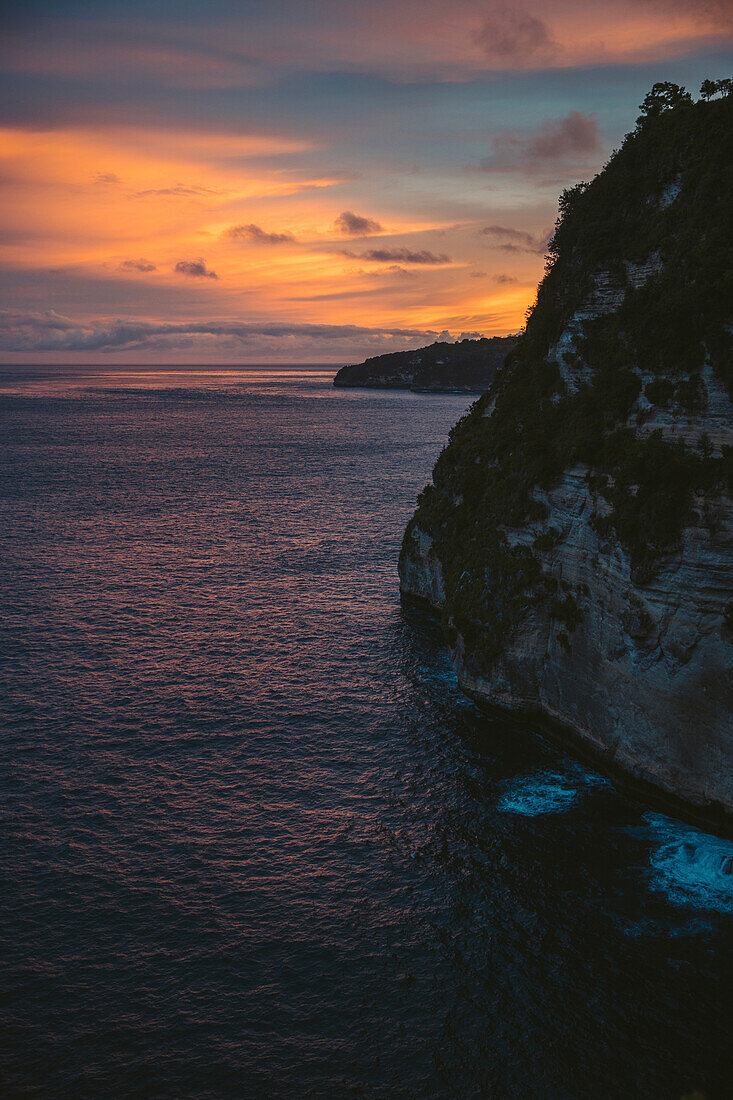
(662, 207)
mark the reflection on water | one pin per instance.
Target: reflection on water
(255, 842)
(46, 381)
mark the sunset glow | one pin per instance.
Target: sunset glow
(314, 182)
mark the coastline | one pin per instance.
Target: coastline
(631, 780)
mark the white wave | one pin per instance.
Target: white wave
(691, 867)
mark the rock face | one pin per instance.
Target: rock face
(468, 366)
(578, 534)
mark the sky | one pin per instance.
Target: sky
(272, 181)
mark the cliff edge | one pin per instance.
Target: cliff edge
(578, 532)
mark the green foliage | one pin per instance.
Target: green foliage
(659, 392)
(547, 540)
(651, 484)
(465, 365)
(664, 96)
(665, 196)
(710, 88)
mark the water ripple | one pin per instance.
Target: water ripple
(254, 840)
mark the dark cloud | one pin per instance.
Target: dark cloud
(354, 225)
(179, 189)
(254, 233)
(718, 12)
(569, 139)
(398, 256)
(137, 265)
(576, 133)
(106, 177)
(196, 269)
(51, 331)
(403, 272)
(510, 35)
(501, 278)
(507, 239)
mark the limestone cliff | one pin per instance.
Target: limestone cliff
(578, 534)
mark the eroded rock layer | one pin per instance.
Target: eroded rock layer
(578, 533)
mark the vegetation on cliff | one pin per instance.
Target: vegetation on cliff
(654, 230)
(468, 365)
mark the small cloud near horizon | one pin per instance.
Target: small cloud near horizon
(398, 256)
(505, 280)
(507, 239)
(195, 269)
(137, 265)
(106, 177)
(350, 224)
(257, 235)
(51, 331)
(571, 138)
(179, 189)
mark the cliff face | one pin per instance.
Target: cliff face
(578, 534)
(468, 366)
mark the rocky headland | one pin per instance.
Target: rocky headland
(577, 536)
(468, 366)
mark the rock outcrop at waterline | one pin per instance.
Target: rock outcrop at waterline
(578, 532)
(468, 366)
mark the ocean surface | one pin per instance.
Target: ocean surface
(254, 841)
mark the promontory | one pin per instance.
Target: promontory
(577, 536)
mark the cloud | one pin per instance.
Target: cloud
(576, 133)
(719, 13)
(254, 233)
(137, 265)
(517, 37)
(106, 177)
(179, 189)
(196, 269)
(571, 138)
(502, 279)
(398, 256)
(54, 332)
(354, 225)
(507, 239)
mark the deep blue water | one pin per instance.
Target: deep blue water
(254, 841)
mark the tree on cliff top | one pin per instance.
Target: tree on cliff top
(663, 97)
(709, 88)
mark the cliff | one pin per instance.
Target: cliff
(468, 366)
(578, 532)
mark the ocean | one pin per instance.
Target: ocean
(254, 841)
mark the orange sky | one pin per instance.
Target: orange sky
(381, 188)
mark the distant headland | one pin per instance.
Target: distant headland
(468, 366)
